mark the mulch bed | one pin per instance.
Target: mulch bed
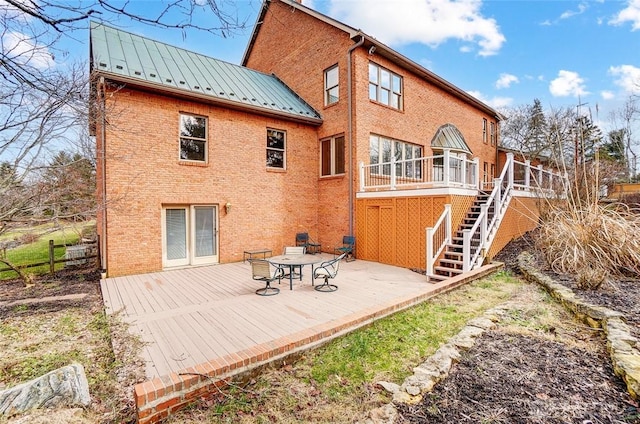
(515, 378)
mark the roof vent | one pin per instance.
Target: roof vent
(221, 93)
(182, 82)
(208, 88)
(118, 66)
(253, 100)
(168, 80)
(103, 64)
(244, 98)
(137, 72)
(152, 75)
(197, 87)
(232, 94)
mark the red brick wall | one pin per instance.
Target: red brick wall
(300, 62)
(143, 173)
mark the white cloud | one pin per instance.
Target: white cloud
(505, 80)
(568, 83)
(21, 49)
(430, 22)
(495, 102)
(631, 13)
(607, 95)
(626, 77)
(582, 7)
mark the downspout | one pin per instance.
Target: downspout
(103, 166)
(350, 129)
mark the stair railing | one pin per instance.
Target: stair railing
(484, 229)
(438, 237)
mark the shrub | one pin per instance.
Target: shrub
(28, 238)
(594, 243)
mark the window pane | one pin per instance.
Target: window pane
(373, 73)
(275, 139)
(192, 126)
(192, 149)
(332, 77)
(386, 156)
(275, 159)
(176, 226)
(374, 154)
(385, 78)
(384, 96)
(373, 92)
(395, 101)
(204, 232)
(326, 157)
(339, 150)
(332, 95)
(397, 87)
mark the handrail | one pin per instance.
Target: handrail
(438, 230)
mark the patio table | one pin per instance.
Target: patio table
(294, 261)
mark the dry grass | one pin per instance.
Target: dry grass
(594, 242)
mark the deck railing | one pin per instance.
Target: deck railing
(438, 237)
(425, 172)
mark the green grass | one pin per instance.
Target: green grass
(38, 251)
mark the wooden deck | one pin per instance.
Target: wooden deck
(192, 316)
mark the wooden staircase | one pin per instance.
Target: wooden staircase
(450, 263)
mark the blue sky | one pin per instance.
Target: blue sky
(505, 52)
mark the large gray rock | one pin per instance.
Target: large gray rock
(65, 386)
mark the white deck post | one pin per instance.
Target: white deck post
(527, 174)
(466, 250)
(445, 167)
(393, 172)
(510, 169)
(361, 169)
(430, 258)
(477, 182)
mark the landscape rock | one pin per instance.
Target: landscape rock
(65, 386)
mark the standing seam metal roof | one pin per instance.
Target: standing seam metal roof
(449, 137)
(134, 58)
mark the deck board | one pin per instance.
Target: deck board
(194, 315)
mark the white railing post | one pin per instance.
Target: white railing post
(463, 171)
(466, 250)
(541, 177)
(527, 174)
(477, 183)
(445, 167)
(430, 259)
(447, 209)
(393, 172)
(510, 169)
(361, 166)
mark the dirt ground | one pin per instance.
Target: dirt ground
(561, 374)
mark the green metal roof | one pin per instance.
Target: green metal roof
(449, 137)
(137, 60)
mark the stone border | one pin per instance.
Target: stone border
(624, 349)
(437, 366)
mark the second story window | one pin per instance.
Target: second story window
(332, 156)
(331, 87)
(276, 143)
(193, 138)
(385, 87)
(484, 130)
(492, 133)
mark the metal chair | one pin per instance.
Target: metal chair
(294, 250)
(326, 270)
(261, 271)
(303, 239)
(348, 248)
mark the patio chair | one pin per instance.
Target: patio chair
(294, 250)
(303, 239)
(348, 248)
(327, 270)
(261, 270)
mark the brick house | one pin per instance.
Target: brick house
(332, 133)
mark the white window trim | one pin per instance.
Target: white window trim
(327, 89)
(205, 139)
(379, 88)
(283, 150)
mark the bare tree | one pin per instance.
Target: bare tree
(624, 119)
(44, 101)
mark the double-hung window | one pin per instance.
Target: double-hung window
(331, 87)
(193, 138)
(406, 156)
(492, 133)
(276, 153)
(332, 156)
(385, 86)
(484, 130)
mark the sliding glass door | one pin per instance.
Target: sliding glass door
(190, 235)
